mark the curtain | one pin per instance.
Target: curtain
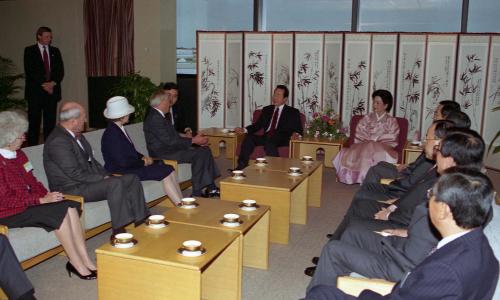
(109, 37)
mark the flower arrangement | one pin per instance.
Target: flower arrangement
(325, 124)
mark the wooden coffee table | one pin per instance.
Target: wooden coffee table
(215, 136)
(411, 152)
(313, 170)
(309, 145)
(286, 195)
(255, 226)
(153, 269)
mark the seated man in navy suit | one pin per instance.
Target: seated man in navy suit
(279, 121)
(463, 265)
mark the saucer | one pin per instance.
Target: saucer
(156, 226)
(126, 245)
(295, 174)
(231, 224)
(191, 206)
(261, 164)
(189, 253)
(307, 161)
(241, 177)
(248, 208)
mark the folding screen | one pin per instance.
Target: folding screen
(283, 61)
(356, 75)
(257, 83)
(491, 124)
(308, 72)
(471, 76)
(234, 75)
(439, 73)
(383, 66)
(211, 71)
(410, 81)
(332, 68)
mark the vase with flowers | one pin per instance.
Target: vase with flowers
(325, 124)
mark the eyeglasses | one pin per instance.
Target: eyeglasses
(437, 148)
(430, 193)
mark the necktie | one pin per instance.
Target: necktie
(168, 116)
(274, 121)
(46, 65)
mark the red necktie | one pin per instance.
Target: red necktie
(274, 121)
(46, 65)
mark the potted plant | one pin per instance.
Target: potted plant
(325, 124)
(8, 87)
(137, 89)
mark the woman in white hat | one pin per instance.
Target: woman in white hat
(120, 155)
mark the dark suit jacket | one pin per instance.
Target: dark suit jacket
(67, 166)
(162, 140)
(118, 152)
(415, 196)
(34, 72)
(289, 122)
(410, 176)
(465, 268)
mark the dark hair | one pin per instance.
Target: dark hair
(469, 194)
(285, 90)
(442, 127)
(447, 106)
(386, 97)
(42, 29)
(465, 146)
(460, 119)
(170, 86)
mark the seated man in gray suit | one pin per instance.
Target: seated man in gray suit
(164, 142)
(71, 168)
(366, 252)
(462, 266)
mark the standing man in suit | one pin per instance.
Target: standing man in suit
(164, 142)
(463, 265)
(71, 168)
(13, 281)
(175, 115)
(44, 71)
(278, 121)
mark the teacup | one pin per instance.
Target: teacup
(249, 203)
(156, 219)
(225, 130)
(261, 160)
(123, 238)
(231, 218)
(192, 245)
(307, 158)
(294, 170)
(237, 173)
(188, 201)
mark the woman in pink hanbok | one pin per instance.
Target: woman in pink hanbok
(375, 139)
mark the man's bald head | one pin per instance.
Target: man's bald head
(72, 116)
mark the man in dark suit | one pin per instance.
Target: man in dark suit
(463, 265)
(44, 71)
(71, 168)
(13, 281)
(361, 251)
(278, 122)
(175, 114)
(163, 141)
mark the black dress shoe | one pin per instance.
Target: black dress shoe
(329, 236)
(315, 260)
(72, 270)
(310, 271)
(214, 193)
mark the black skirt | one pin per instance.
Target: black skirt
(48, 216)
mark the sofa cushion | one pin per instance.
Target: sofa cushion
(35, 155)
(28, 242)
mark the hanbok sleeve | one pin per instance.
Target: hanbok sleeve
(391, 133)
(363, 133)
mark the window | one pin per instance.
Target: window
(297, 15)
(193, 15)
(411, 15)
(483, 16)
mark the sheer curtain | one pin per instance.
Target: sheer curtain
(109, 37)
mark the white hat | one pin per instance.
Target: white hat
(118, 107)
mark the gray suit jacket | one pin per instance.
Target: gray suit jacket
(162, 140)
(66, 164)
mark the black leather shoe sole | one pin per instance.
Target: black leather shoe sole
(329, 236)
(310, 271)
(315, 260)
